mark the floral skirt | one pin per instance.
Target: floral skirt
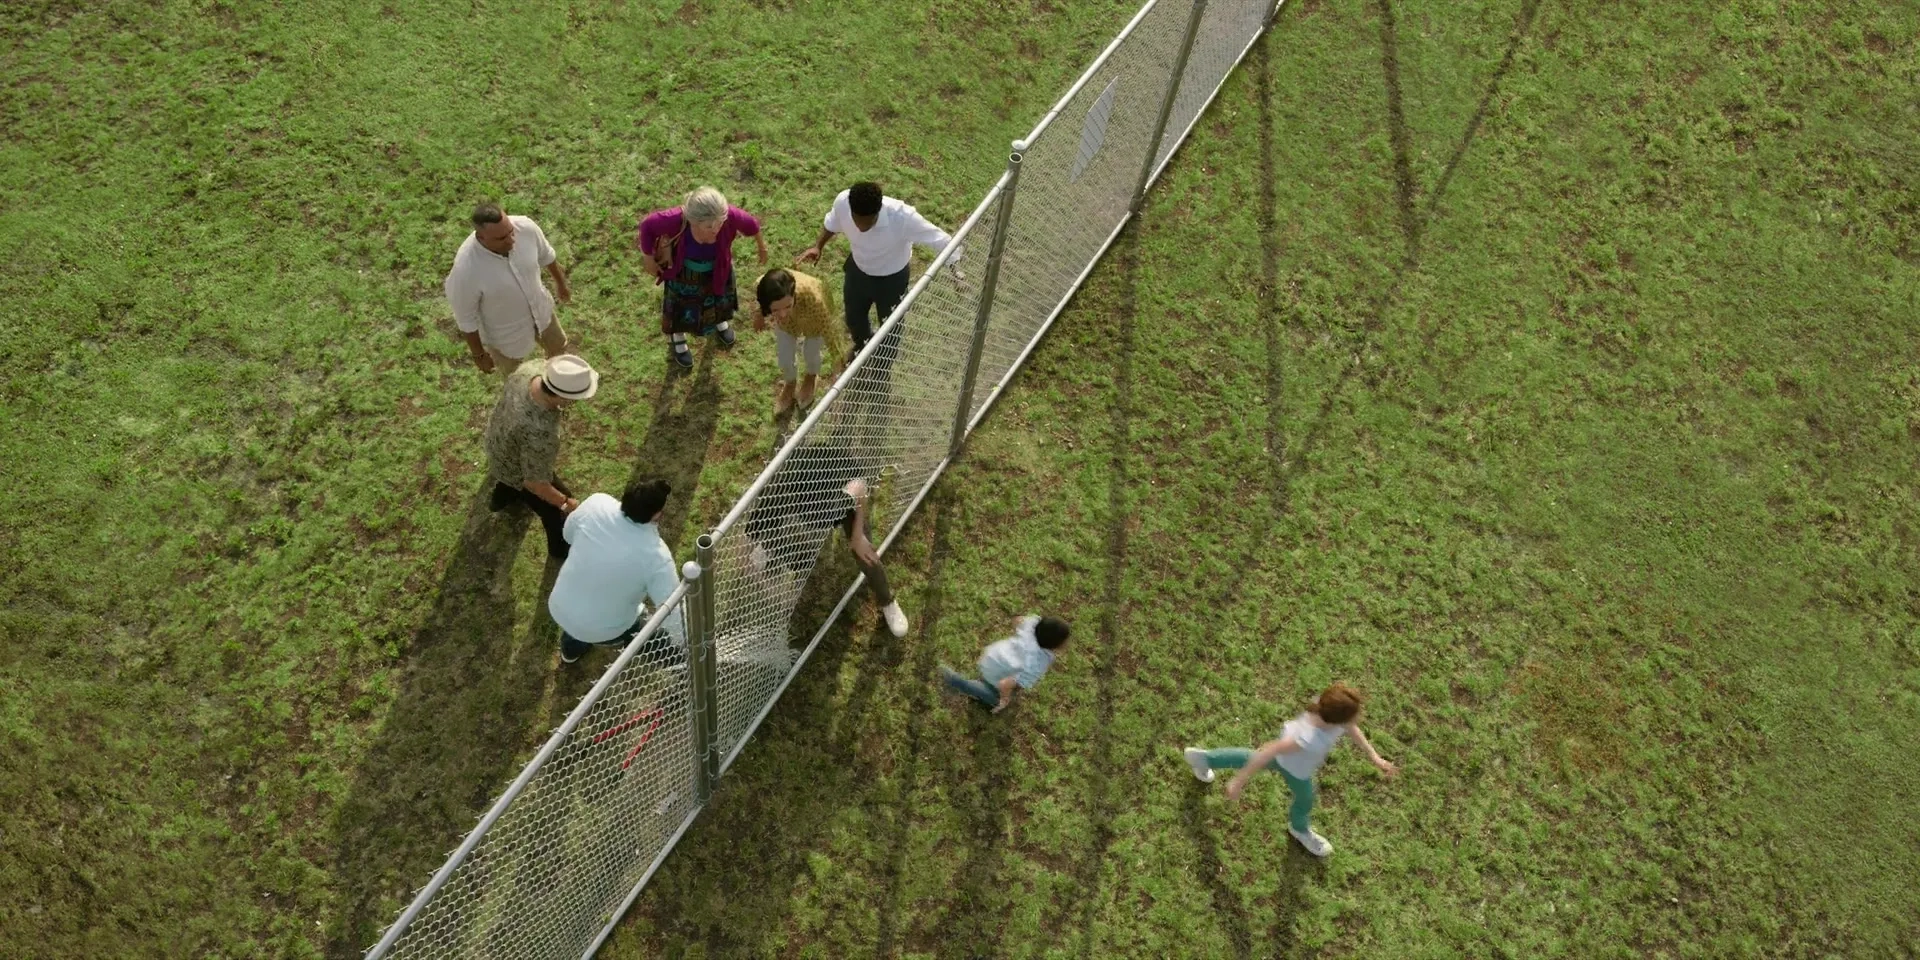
(694, 308)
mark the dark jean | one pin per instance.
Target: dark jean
(862, 293)
(551, 517)
(660, 644)
(882, 295)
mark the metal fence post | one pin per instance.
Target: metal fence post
(984, 312)
(1166, 104)
(700, 663)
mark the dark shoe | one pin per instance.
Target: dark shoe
(683, 358)
(726, 338)
(571, 650)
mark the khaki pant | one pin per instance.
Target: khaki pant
(553, 340)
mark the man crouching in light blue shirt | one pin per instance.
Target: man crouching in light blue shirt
(616, 561)
(1020, 660)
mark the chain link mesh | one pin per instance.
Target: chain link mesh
(546, 879)
(548, 874)
(1075, 188)
(1228, 29)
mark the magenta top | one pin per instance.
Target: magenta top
(667, 223)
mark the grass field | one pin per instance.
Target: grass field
(1550, 371)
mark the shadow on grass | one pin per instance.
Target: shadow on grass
(466, 696)
(982, 787)
(1414, 220)
(925, 698)
(1104, 803)
(1297, 870)
(1206, 863)
(1300, 868)
(471, 690)
(675, 446)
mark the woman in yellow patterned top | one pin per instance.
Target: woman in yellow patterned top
(802, 320)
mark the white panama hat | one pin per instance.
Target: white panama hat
(570, 378)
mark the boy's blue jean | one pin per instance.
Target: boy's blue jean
(1233, 758)
(978, 689)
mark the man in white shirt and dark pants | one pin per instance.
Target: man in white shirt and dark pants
(881, 231)
(616, 561)
(499, 304)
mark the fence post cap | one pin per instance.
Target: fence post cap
(1019, 146)
(690, 571)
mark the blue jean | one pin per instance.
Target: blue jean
(978, 689)
(1233, 758)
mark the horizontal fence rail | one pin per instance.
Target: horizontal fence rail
(567, 848)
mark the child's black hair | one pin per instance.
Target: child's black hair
(1051, 632)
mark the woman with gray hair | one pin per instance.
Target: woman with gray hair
(689, 250)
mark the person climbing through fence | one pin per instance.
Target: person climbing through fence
(1302, 747)
(822, 485)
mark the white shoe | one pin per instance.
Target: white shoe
(1197, 759)
(896, 618)
(1315, 843)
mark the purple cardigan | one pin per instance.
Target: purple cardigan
(667, 223)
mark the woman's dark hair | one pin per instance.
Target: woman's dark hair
(776, 285)
(1051, 632)
(864, 199)
(644, 499)
(1338, 704)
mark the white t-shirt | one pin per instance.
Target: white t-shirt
(613, 565)
(1315, 743)
(1020, 656)
(887, 248)
(502, 298)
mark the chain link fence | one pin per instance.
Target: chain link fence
(567, 848)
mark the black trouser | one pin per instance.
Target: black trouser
(660, 645)
(862, 293)
(551, 517)
(875, 379)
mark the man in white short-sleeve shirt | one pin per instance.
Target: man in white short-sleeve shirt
(882, 232)
(615, 561)
(499, 304)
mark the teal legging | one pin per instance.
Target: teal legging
(1233, 758)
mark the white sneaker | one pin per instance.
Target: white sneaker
(1315, 843)
(896, 618)
(1197, 759)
